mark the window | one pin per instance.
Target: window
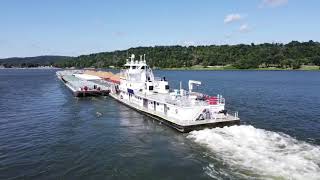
(157, 104)
(134, 67)
(150, 88)
(167, 87)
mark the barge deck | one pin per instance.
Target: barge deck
(80, 86)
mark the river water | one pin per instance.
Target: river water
(46, 133)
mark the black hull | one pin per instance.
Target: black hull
(184, 129)
(90, 93)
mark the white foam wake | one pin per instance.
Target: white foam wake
(269, 154)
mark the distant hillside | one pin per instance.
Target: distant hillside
(32, 61)
(292, 55)
(242, 56)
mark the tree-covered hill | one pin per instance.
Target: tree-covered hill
(32, 61)
(241, 56)
(291, 55)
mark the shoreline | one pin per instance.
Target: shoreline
(231, 68)
(198, 68)
(32, 68)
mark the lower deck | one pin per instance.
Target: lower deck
(180, 125)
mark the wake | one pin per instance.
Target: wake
(269, 155)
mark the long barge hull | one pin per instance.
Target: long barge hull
(84, 93)
(181, 128)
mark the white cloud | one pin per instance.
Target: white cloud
(232, 18)
(273, 3)
(244, 28)
(187, 43)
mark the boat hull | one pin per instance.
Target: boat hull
(186, 129)
(90, 93)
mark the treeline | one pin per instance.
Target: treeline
(27, 62)
(242, 56)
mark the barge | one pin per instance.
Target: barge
(82, 85)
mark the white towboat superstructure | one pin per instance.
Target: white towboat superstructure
(185, 110)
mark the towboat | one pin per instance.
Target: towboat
(184, 110)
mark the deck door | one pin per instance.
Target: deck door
(145, 103)
(165, 109)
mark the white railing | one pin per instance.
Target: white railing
(233, 114)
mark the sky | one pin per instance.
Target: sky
(76, 27)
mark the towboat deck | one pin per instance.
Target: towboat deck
(183, 101)
(183, 125)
